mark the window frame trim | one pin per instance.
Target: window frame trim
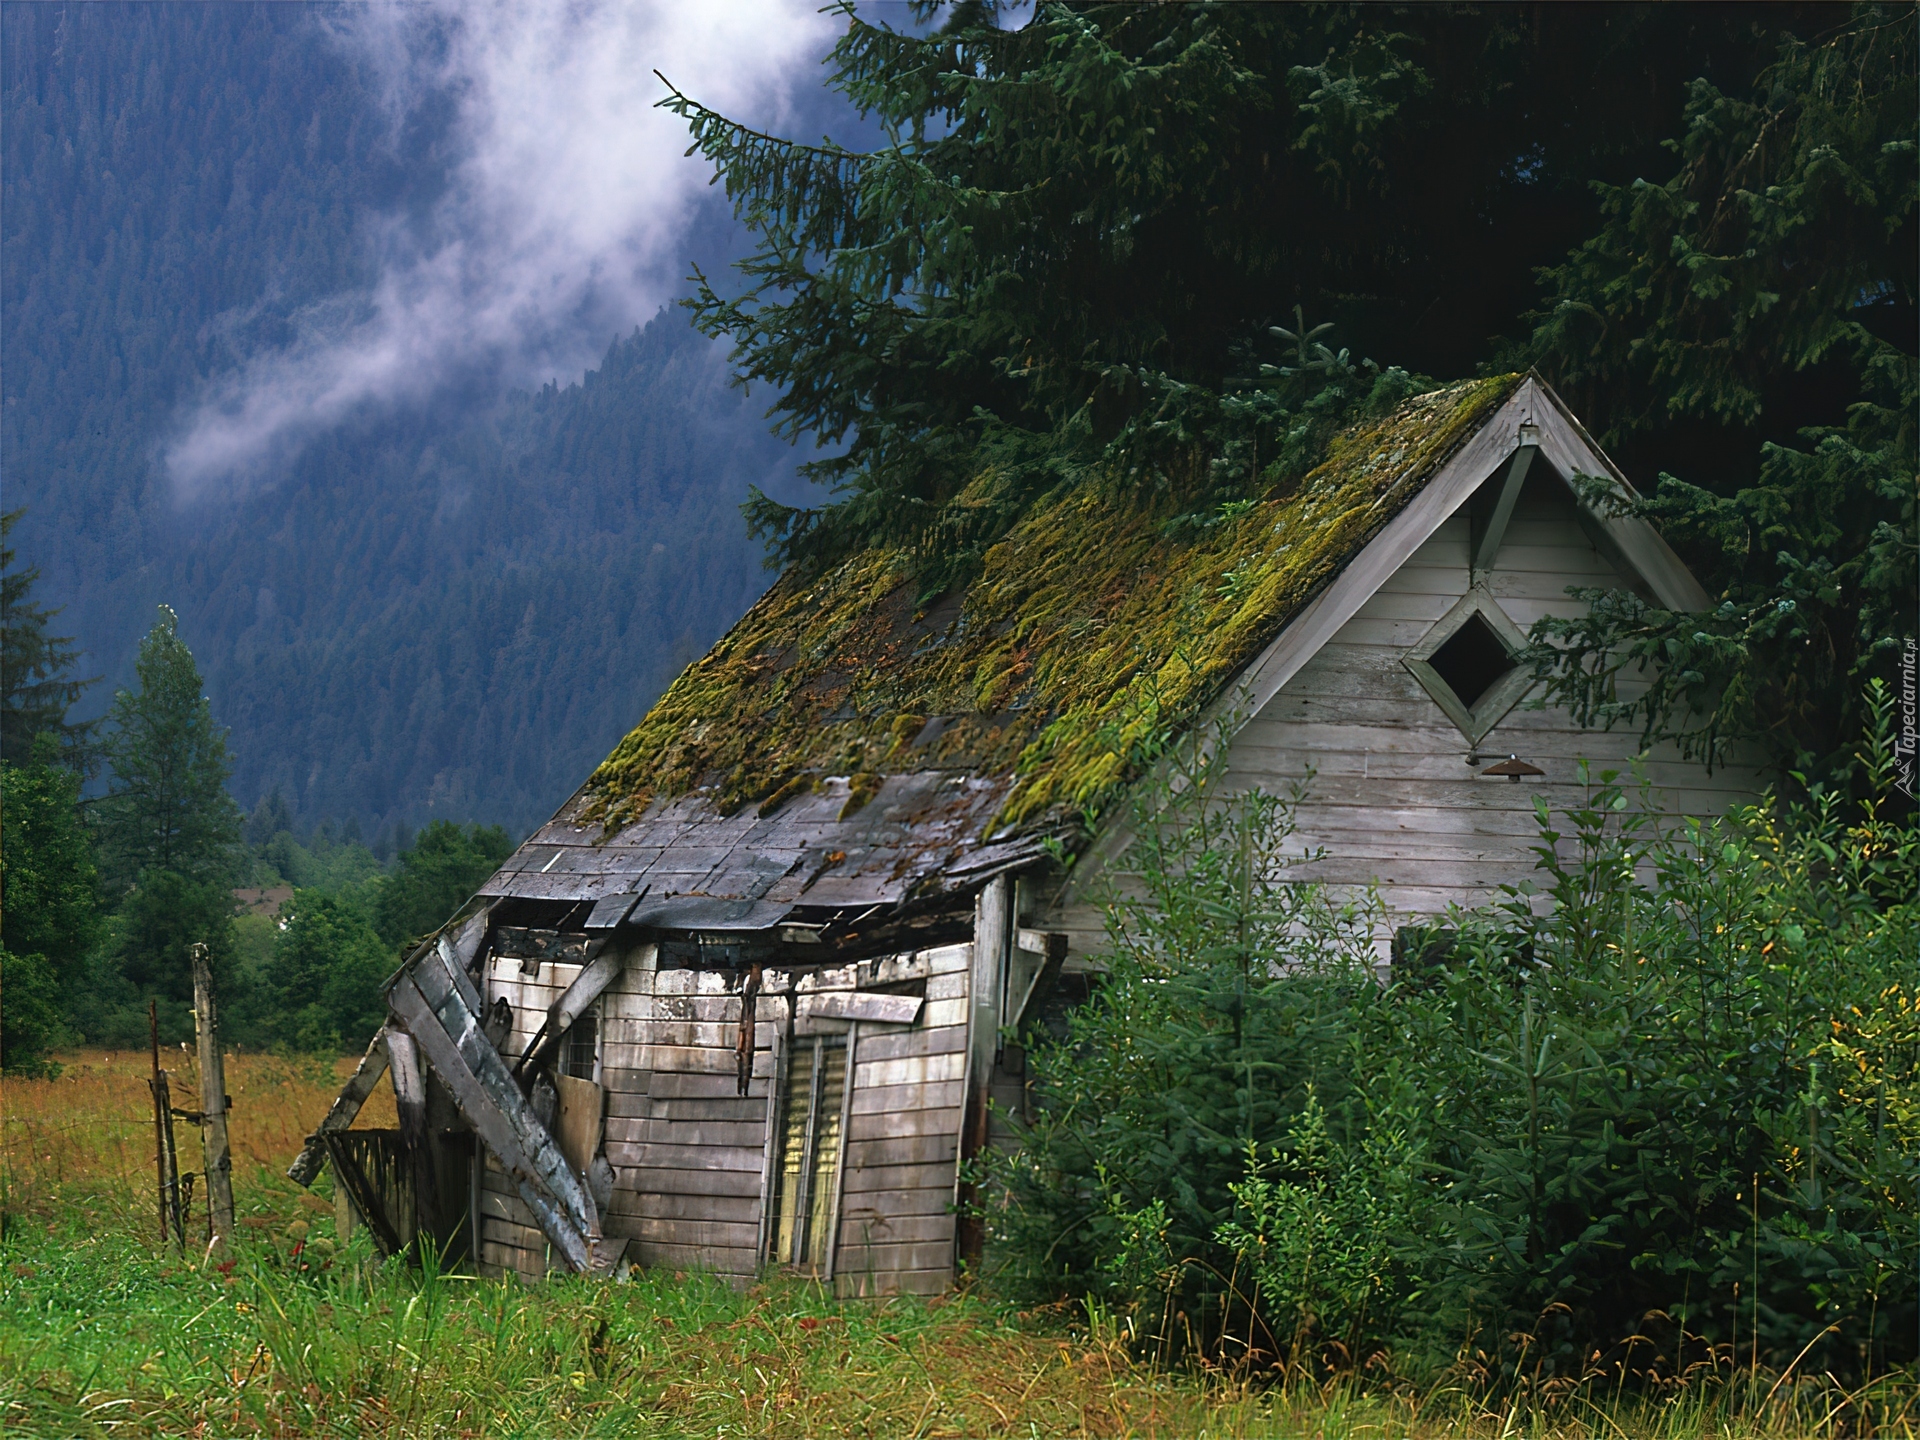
(1475, 722)
(565, 1047)
(779, 1097)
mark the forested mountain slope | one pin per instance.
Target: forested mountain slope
(449, 614)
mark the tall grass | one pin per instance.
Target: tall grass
(105, 1332)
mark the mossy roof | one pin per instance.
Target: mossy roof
(1092, 630)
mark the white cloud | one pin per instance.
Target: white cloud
(564, 221)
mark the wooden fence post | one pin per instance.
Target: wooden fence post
(213, 1104)
(161, 1102)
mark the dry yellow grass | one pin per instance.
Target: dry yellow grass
(93, 1126)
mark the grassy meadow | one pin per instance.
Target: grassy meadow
(103, 1331)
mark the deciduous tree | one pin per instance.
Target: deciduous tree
(436, 876)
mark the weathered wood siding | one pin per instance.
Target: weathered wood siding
(689, 1152)
(685, 1145)
(903, 1138)
(1389, 794)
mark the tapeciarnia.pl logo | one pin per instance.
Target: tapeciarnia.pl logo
(1905, 744)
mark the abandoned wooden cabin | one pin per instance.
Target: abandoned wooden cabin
(745, 1000)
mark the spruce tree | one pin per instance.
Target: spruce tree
(1778, 255)
(49, 904)
(1141, 247)
(167, 809)
(37, 681)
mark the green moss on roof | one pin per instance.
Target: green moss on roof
(1089, 634)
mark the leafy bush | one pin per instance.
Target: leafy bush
(1670, 1096)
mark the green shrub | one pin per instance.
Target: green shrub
(1230, 994)
(1669, 1096)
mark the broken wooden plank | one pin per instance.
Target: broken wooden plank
(858, 1005)
(577, 1123)
(471, 934)
(462, 981)
(312, 1159)
(894, 969)
(601, 971)
(410, 1103)
(515, 942)
(609, 910)
(365, 1194)
(1036, 963)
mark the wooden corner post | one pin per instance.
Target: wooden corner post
(213, 1104)
(993, 922)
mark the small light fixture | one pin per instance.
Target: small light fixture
(1513, 767)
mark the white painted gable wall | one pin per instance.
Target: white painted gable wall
(1391, 797)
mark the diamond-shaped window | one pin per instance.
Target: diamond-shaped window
(1469, 664)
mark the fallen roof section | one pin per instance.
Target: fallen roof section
(688, 865)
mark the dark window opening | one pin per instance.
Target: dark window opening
(581, 1048)
(1419, 950)
(807, 1163)
(1472, 661)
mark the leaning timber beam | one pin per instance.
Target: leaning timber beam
(431, 998)
(312, 1160)
(459, 952)
(601, 971)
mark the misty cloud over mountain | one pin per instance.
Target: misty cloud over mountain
(344, 338)
(563, 213)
